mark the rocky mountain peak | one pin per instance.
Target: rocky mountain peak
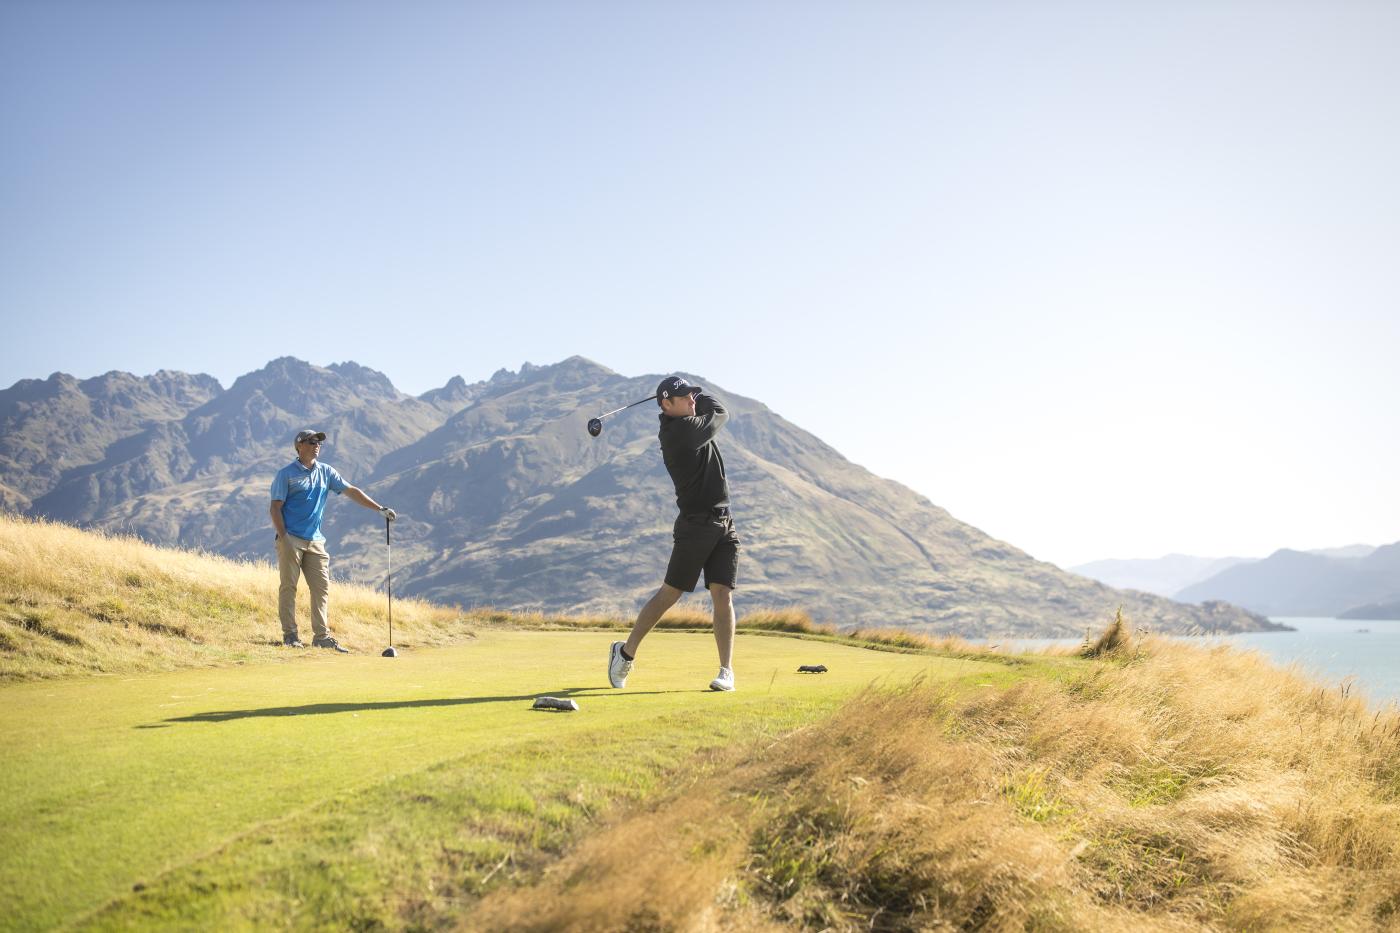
(293, 385)
(365, 377)
(283, 370)
(454, 392)
(34, 390)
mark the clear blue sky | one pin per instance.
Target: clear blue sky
(1103, 279)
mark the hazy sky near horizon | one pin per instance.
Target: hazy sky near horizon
(1103, 279)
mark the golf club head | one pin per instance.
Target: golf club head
(556, 703)
(389, 652)
(595, 426)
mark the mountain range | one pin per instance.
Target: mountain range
(1301, 583)
(1164, 576)
(1353, 582)
(504, 499)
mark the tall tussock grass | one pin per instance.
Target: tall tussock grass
(74, 601)
(1188, 787)
(1115, 640)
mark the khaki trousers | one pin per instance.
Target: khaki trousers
(297, 556)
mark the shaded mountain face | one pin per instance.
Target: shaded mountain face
(505, 500)
(52, 427)
(1299, 583)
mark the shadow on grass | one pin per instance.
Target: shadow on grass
(321, 709)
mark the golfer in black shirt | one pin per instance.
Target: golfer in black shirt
(705, 541)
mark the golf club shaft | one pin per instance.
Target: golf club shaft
(389, 578)
(649, 398)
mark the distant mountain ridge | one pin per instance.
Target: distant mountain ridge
(1346, 553)
(52, 426)
(1163, 575)
(1386, 610)
(1299, 583)
(1170, 575)
(505, 500)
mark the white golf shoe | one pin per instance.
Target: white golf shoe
(725, 680)
(618, 666)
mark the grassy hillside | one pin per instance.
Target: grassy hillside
(221, 781)
(74, 601)
(1166, 788)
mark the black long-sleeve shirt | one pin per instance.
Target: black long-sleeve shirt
(692, 457)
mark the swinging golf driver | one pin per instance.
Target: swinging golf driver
(595, 425)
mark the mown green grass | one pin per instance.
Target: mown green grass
(360, 791)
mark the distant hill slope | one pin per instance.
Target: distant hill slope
(1349, 551)
(1163, 575)
(1385, 610)
(1295, 583)
(506, 501)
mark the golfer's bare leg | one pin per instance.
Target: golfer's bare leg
(651, 613)
(723, 598)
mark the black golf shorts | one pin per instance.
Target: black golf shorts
(703, 543)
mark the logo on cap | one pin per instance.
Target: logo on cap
(674, 386)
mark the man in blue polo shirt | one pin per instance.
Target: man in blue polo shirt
(298, 501)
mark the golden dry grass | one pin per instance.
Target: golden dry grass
(74, 601)
(791, 621)
(1166, 786)
(1184, 787)
(902, 638)
(1116, 639)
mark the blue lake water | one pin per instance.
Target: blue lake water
(1333, 650)
(1328, 650)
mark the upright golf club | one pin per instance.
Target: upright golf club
(389, 652)
(595, 425)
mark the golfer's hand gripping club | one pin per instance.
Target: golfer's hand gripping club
(388, 513)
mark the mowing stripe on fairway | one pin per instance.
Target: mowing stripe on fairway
(110, 782)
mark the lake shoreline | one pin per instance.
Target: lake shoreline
(1364, 653)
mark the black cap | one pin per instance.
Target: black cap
(674, 387)
(310, 435)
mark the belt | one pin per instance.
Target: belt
(719, 511)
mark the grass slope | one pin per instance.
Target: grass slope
(1167, 788)
(72, 601)
(208, 780)
(350, 787)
